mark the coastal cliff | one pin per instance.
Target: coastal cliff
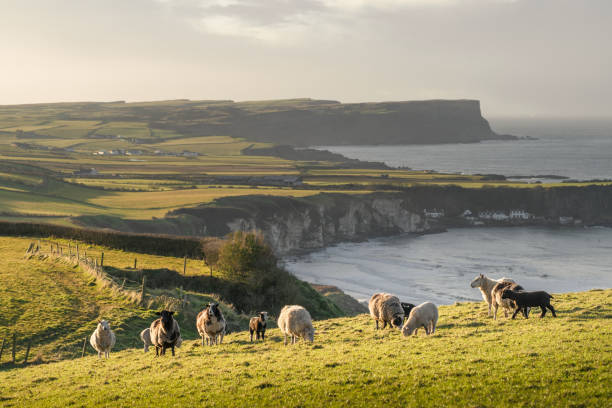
(409, 122)
(294, 224)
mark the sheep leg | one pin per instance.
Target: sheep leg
(384, 324)
(543, 311)
(426, 329)
(552, 310)
(376, 324)
(518, 309)
(263, 334)
(156, 351)
(221, 337)
(416, 331)
(433, 327)
(163, 352)
(495, 311)
(173, 350)
(251, 332)
(202, 341)
(526, 313)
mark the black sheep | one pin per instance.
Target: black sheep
(524, 300)
(407, 308)
(258, 325)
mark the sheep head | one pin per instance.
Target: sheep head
(477, 282)
(309, 334)
(397, 320)
(166, 319)
(103, 325)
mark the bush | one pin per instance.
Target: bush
(245, 255)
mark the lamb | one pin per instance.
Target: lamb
(295, 321)
(164, 332)
(103, 339)
(211, 324)
(524, 300)
(496, 299)
(407, 308)
(424, 315)
(145, 336)
(486, 285)
(386, 308)
(258, 325)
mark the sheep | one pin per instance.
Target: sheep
(486, 285)
(496, 299)
(164, 332)
(407, 308)
(386, 308)
(524, 300)
(258, 325)
(425, 315)
(145, 336)
(211, 324)
(103, 339)
(295, 321)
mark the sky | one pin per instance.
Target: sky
(533, 58)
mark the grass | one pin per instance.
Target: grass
(54, 304)
(470, 361)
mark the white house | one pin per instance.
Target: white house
(519, 215)
(435, 213)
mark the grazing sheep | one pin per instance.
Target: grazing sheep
(211, 324)
(145, 336)
(103, 339)
(524, 300)
(407, 308)
(386, 308)
(424, 315)
(496, 299)
(486, 287)
(258, 325)
(164, 332)
(295, 321)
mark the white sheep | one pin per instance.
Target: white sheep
(386, 308)
(424, 315)
(145, 336)
(103, 339)
(295, 321)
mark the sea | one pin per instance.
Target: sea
(439, 267)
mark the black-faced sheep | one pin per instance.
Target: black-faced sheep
(424, 315)
(145, 336)
(486, 285)
(257, 325)
(496, 299)
(211, 324)
(295, 321)
(407, 309)
(103, 339)
(386, 308)
(524, 300)
(165, 332)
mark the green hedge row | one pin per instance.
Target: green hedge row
(141, 243)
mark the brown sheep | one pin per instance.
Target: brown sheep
(164, 332)
(386, 308)
(258, 325)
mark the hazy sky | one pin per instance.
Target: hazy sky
(519, 57)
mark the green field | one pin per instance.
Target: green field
(470, 361)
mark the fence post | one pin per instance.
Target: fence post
(185, 266)
(69, 250)
(2, 348)
(25, 360)
(142, 290)
(14, 346)
(102, 260)
(84, 344)
(135, 262)
(78, 258)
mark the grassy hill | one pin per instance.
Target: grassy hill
(470, 361)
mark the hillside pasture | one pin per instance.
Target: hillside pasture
(471, 360)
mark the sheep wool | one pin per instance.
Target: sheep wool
(424, 315)
(103, 339)
(386, 309)
(295, 321)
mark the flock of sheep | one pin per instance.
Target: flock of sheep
(295, 322)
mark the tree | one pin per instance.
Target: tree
(211, 247)
(245, 255)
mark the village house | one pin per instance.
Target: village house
(435, 213)
(519, 215)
